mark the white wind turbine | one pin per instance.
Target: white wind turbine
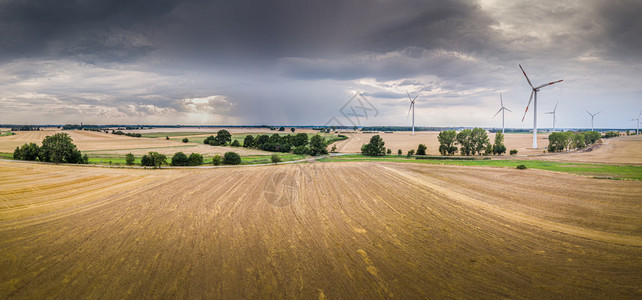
(592, 116)
(553, 113)
(412, 107)
(502, 109)
(637, 123)
(534, 92)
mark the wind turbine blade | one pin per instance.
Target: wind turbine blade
(529, 104)
(547, 84)
(413, 99)
(409, 98)
(529, 81)
(549, 113)
(588, 112)
(500, 99)
(554, 109)
(497, 113)
(508, 109)
(597, 113)
(409, 108)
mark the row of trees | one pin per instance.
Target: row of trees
(471, 142)
(57, 148)
(560, 141)
(156, 160)
(295, 143)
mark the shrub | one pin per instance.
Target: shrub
(513, 152)
(611, 134)
(27, 152)
(216, 160)
(389, 151)
(411, 152)
(235, 143)
(129, 159)
(334, 149)
(231, 158)
(522, 167)
(275, 158)
(167, 138)
(180, 159)
(421, 149)
(375, 147)
(195, 159)
(185, 140)
(399, 152)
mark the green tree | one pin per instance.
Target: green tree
(180, 159)
(421, 149)
(153, 159)
(248, 141)
(591, 137)
(464, 140)
(399, 152)
(231, 158)
(292, 129)
(389, 151)
(185, 140)
(375, 147)
(479, 140)
(275, 158)
(281, 128)
(300, 139)
(578, 141)
(129, 159)
(59, 148)
(558, 141)
(411, 152)
(235, 143)
(318, 145)
(195, 159)
(222, 138)
(27, 152)
(447, 141)
(301, 150)
(498, 145)
(216, 160)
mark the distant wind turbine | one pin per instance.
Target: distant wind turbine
(553, 113)
(592, 116)
(637, 123)
(412, 107)
(534, 92)
(502, 109)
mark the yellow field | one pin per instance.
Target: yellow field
(318, 230)
(105, 143)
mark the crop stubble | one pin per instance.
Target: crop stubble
(341, 230)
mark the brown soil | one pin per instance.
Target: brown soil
(335, 230)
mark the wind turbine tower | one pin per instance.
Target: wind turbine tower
(553, 113)
(412, 107)
(534, 92)
(592, 116)
(502, 109)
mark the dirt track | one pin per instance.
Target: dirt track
(336, 230)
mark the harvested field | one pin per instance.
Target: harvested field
(619, 150)
(101, 143)
(336, 230)
(405, 141)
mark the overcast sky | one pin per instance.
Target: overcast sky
(296, 62)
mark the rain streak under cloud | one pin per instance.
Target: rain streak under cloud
(298, 62)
